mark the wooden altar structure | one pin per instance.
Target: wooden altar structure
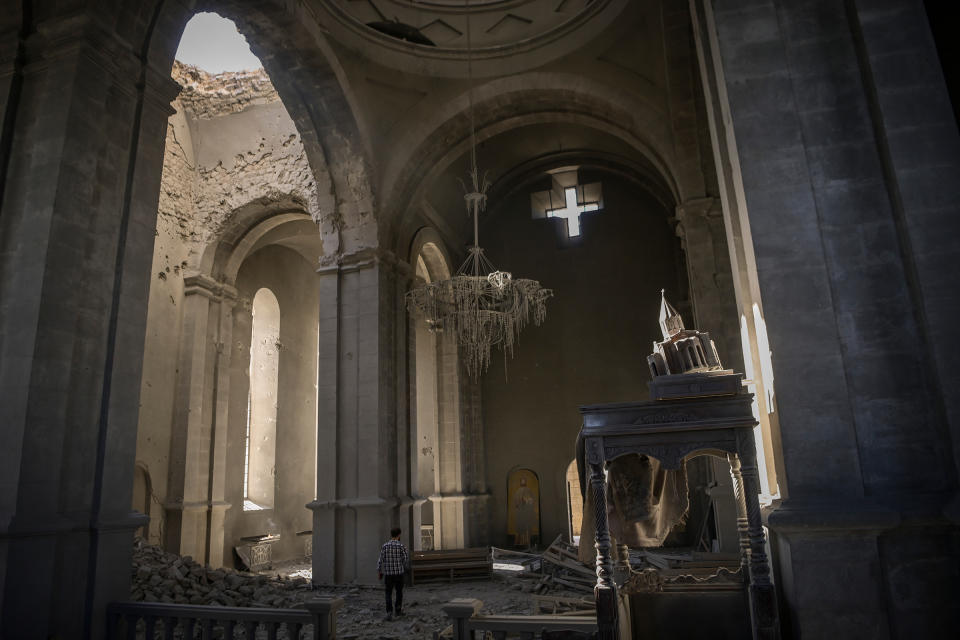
(673, 431)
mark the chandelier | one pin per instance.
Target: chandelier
(480, 305)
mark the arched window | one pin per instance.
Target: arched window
(261, 445)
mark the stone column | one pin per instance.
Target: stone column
(195, 501)
(813, 178)
(477, 504)
(357, 423)
(76, 233)
(324, 557)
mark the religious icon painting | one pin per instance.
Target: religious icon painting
(523, 506)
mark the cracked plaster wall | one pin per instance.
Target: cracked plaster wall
(231, 143)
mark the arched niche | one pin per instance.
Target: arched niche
(435, 459)
(523, 506)
(254, 227)
(270, 392)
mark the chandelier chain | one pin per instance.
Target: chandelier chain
(481, 305)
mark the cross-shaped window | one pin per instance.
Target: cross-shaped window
(567, 199)
(571, 212)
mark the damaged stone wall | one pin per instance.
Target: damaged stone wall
(207, 96)
(229, 145)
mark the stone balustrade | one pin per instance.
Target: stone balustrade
(124, 620)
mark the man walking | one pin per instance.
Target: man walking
(391, 565)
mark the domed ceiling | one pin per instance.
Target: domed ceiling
(430, 37)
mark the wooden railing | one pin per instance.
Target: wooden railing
(466, 624)
(189, 621)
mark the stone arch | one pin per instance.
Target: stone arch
(428, 245)
(523, 505)
(250, 228)
(504, 97)
(436, 465)
(635, 170)
(315, 94)
(507, 104)
(216, 347)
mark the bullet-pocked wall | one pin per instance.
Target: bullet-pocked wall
(235, 180)
(593, 345)
(291, 279)
(836, 153)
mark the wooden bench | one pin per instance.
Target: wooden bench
(454, 564)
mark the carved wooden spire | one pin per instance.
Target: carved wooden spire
(670, 321)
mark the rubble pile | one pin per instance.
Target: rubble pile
(159, 576)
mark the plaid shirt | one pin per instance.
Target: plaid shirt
(393, 558)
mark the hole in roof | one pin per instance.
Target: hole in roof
(212, 43)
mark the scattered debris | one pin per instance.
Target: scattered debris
(159, 576)
(557, 568)
(564, 606)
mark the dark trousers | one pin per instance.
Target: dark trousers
(390, 583)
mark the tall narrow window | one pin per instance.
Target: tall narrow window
(574, 502)
(261, 449)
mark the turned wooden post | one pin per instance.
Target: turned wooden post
(605, 591)
(621, 569)
(742, 534)
(763, 606)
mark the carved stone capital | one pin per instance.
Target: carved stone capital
(698, 208)
(160, 90)
(795, 517)
(355, 261)
(204, 285)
